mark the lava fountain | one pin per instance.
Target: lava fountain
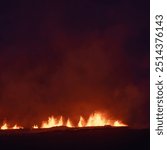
(95, 119)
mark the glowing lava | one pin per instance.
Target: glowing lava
(81, 122)
(52, 122)
(35, 127)
(6, 127)
(16, 127)
(69, 124)
(95, 119)
(119, 124)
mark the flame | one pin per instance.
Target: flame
(95, 119)
(17, 127)
(60, 122)
(69, 124)
(81, 122)
(4, 126)
(98, 119)
(52, 122)
(119, 124)
(35, 127)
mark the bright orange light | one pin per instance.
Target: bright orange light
(4, 126)
(95, 119)
(16, 127)
(69, 124)
(35, 127)
(52, 122)
(119, 124)
(81, 122)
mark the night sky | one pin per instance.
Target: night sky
(72, 58)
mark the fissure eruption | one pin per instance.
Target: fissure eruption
(95, 119)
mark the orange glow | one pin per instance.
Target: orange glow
(4, 126)
(69, 124)
(95, 119)
(52, 122)
(81, 122)
(119, 124)
(17, 127)
(35, 127)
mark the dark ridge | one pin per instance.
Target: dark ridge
(93, 138)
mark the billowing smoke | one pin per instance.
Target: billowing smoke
(75, 58)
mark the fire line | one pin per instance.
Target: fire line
(95, 119)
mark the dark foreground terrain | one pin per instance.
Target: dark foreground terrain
(101, 138)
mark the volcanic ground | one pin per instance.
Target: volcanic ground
(93, 138)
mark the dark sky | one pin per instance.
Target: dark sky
(74, 57)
